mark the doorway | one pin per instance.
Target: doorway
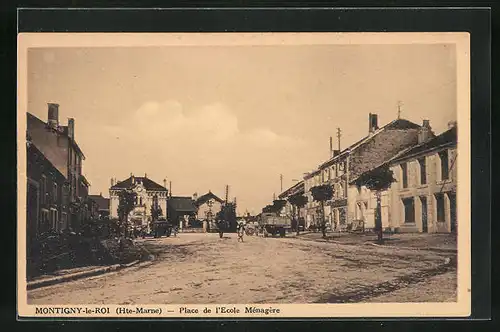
(425, 227)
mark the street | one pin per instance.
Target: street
(202, 268)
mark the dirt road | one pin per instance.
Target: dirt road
(202, 268)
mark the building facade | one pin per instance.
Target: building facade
(423, 198)
(58, 146)
(47, 196)
(379, 146)
(149, 193)
(207, 207)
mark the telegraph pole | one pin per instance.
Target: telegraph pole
(399, 108)
(339, 134)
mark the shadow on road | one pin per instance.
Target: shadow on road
(368, 292)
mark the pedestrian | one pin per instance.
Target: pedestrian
(241, 231)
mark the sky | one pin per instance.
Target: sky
(204, 117)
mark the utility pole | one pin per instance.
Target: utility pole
(339, 134)
(399, 108)
(281, 183)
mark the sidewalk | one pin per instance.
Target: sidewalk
(438, 242)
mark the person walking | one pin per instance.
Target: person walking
(241, 231)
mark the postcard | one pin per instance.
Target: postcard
(243, 175)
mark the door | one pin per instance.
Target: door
(423, 201)
(453, 212)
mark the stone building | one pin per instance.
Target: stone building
(423, 198)
(379, 146)
(148, 192)
(58, 146)
(207, 207)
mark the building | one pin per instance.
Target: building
(207, 207)
(379, 146)
(181, 210)
(423, 198)
(102, 204)
(46, 205)
(58, 146)
(289, 210)
(149, 193)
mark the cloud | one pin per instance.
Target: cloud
(201, 149)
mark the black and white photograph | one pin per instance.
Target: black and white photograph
(258, 175)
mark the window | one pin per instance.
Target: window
(409, 205)
(43, 189)
(54, 194)
(440, 207)
(404, 171)
(423, 171)
(443, 156)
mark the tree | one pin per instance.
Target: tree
(377, 180)
(156, 212)
(322, 194)
(298, 201)
(126, 203)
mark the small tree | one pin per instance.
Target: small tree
(156, 212)
(126, 203)
(322, 194)
(377, 180)
(298, 201)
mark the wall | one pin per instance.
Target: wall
(416, 190)
(204, 208)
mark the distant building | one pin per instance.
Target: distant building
(423, 198)
(380, 145)
(181, 209)
(102, 205)
(148, 193)
(58, 146)
(289, 210)
(207, 207)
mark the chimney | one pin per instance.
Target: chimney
(53, 115)
(425, 132)
(331, 145)
(336, 153)
(71, 128)
(452, 124)
(165, 183)
(372, 122)
(133, 178)
(112, 182)
(195, 196)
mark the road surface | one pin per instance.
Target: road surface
(202, 268)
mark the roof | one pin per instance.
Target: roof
(101, 201)
(146, 182)
(298, 187)
(205, 198)
(35, 156)
(181, 204)
(398, 124)
(447, 138)
(62, 131)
